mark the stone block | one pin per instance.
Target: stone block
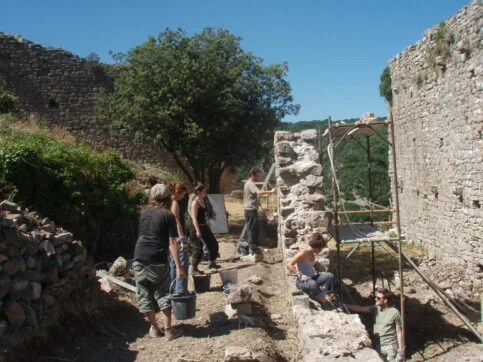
(5, 284)
(17, 288)
(284, 148)
(13, 313)
(309, 135)
(9, 206)
(255, 279)
(35, 290)
(62, 238)
(300, 300)
(240, 294)
(30, 315)
(14, 265)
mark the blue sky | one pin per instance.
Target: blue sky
(335, 49)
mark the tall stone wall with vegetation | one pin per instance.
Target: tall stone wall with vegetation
(60, 88)
(437, 111)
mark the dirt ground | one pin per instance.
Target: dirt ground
(123, 335)
(433, 334)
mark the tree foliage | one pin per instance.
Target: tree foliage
(385, 87)
(201, 97)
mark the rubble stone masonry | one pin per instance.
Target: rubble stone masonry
(301, 212)
(437, 110)
(60, 88)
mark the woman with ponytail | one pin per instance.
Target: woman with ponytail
(202, 231)
(178, 192)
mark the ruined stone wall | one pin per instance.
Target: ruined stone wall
(41, 266)
(438, 118)
(60, 88)
(301, 212)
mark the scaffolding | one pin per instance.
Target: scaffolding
(366, 233)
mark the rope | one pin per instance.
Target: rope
(330, 147)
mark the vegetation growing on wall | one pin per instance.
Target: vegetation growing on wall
(7, 101)
(440, 52)
(82, 190)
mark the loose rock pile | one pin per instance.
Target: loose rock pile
(40, 265)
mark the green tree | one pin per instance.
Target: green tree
(385, 87)
(203, 98)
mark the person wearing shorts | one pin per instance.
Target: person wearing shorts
(157, 238)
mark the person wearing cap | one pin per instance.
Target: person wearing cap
(157, 238)
(251, 203)
(388, 337)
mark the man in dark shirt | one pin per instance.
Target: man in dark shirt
(157, 233)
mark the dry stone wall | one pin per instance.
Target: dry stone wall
(60, 88)
(41, 265)
(438, 122)
(323, 335)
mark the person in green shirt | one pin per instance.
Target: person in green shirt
(388, 337)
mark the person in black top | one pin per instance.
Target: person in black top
(202, 231)
(157, 237)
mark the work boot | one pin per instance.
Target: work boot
(213, 265)
(155, 332)
(196, 271)
(172, 333)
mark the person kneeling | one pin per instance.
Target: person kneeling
(308, 280)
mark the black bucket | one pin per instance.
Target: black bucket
(184, 306)
(201, 282)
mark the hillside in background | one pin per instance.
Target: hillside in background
(351, 166)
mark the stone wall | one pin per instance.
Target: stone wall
(323, 335)
(438, 121)
(41, 265)
(60, 88)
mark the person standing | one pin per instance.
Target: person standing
(178, 192)
(202, 231)
(157, 237)
(388, 337)
(251, 203)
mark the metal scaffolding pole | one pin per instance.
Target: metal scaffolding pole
(398, 222)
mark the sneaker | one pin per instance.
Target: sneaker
(172, 333)
(155, 332)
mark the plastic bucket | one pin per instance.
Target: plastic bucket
(229, 276)
(184, 306)
(201, 282)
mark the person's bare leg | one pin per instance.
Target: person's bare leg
(152, 318)
(167, 317)
(171, 333)
(154, 331)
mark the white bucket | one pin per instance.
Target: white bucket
(229, 276)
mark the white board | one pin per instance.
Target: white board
(220, 226)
